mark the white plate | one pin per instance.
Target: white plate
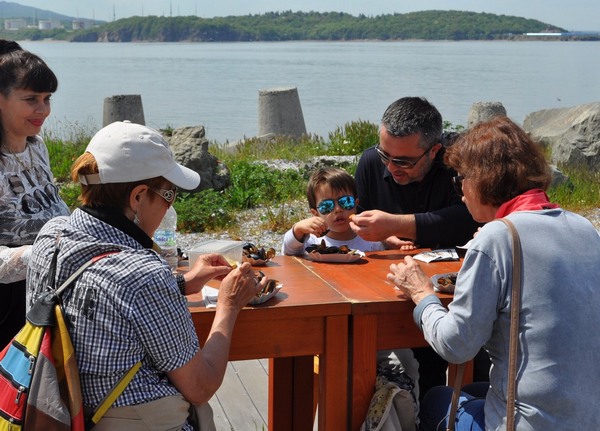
(445, 288)
(210, 295)
(353, 256)
(264, 298)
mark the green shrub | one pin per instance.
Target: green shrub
(282, 217)
(353, 138)
(64, 150)
(581, 191)
(69, 192)
(206, 210)
(279, 147)
(253, 184)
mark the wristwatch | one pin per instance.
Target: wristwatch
(180, 283)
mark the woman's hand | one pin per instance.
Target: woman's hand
(410, 279)
(239, 287)
(207, 267)
(200, 377)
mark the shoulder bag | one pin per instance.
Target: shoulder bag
(39, 379)
(515, 307)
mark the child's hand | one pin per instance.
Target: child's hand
(313, 225)
(393, 242)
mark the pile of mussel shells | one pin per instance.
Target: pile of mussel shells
(322, 248)
(255, 255)
(269, 287)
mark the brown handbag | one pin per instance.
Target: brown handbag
(513, 342)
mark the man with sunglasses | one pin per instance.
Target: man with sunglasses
(405, 192)
(407, 199)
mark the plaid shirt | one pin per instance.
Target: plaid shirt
(124, 308)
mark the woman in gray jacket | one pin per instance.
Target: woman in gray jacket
(504, 174)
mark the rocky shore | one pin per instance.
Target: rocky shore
(250, 223)
(250, 228)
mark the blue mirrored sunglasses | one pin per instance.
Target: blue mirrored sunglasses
(328, 205)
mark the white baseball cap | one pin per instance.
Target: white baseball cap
(127, 152)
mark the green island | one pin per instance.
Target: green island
(317, 26)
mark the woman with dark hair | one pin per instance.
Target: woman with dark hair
(28, 196)
(503, 174)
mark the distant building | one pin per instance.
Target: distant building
(82, 24)
(543, 34)
(14, 24)
(49, 24)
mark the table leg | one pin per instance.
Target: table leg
(290, 393)
(333, 376)
(281, 403)
(363, 368)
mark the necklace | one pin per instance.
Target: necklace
(25, 166)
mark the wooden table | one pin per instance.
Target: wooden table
(380, 317)
(306, 318)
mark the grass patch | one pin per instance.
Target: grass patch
(581, 192)
(255, 185)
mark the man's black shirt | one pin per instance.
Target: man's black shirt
(442, 218)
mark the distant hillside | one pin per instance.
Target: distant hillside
(283, 26)
(286, 26)
(14, 10)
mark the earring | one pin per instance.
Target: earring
(136, 220)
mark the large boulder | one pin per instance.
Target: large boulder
(573, 134)
(484, 111)
(190, 148)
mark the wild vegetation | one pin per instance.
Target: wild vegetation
(255, 185)
(288, 25)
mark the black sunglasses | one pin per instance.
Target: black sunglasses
(401, 163)
(457, 181)
(328, 205)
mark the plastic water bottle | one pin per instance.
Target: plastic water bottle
(166, 238)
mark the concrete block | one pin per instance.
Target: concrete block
(123, 107)
(280, 113)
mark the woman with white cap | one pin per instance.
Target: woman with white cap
(128, 307)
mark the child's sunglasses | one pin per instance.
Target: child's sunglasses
(328, 205)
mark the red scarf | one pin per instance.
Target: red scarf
(531, 200)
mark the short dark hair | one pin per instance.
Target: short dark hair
(22, 69)
(338, 179)
(411, 115)
(501, 159)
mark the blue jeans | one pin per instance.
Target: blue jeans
(435, 408)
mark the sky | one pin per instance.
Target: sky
(574, 15)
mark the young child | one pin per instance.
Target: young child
(332, 200)
(331, 194)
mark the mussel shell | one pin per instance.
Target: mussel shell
(269, 287)
(323, 249)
